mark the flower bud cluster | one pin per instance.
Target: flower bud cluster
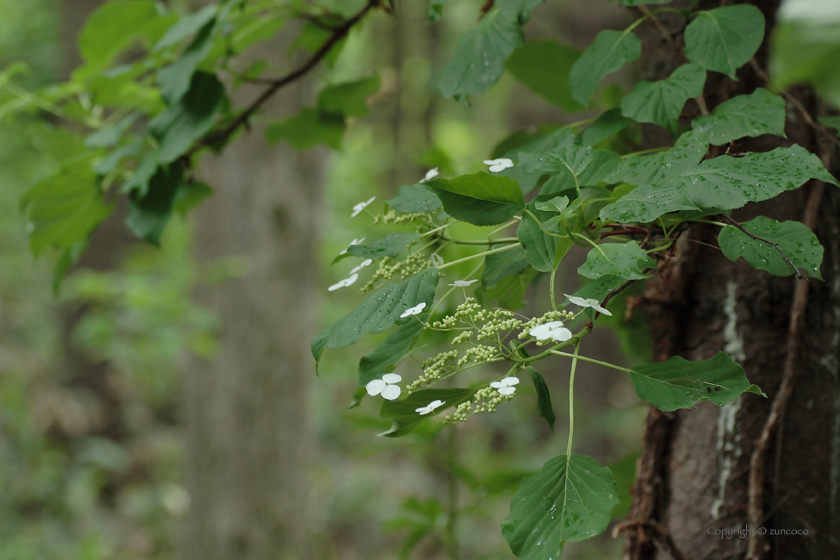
(433, 369)
(484, 400)
(547, 318)
(388, 269)
(392, 217)
(478, 354)
(498, 321)
(463, 338)
(467, 309)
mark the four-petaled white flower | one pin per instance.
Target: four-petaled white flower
(498, 164)
(414, 310)
(463, 283)
(423, 410)
(588, 302)
(386, 387)
(430, 174)
(364, 263)
(554, 330)
(361, 206)
(506, 385)
(354, 242)
(344, 283)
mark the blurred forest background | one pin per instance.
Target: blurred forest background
(94, 445)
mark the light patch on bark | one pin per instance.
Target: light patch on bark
(727, 438)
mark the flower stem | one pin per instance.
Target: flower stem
(551, 289)
(490, 252)
(572, 404)
(590, 360)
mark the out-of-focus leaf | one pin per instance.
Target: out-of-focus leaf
(349, 99)
(610, 51)
(308, 129)
(724, 39)
(544, 66)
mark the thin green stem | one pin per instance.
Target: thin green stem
(482, 242)
(645, 152)
(572, 404)
(432, 312)
(591, 243)
(484, 253)
(539, 223)
(591, 360)
(430, 232)
(551, 289)
(504, 226)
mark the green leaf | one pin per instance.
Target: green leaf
(797, 241)
(436, 9)
(564, 155)
(110, 136)
(509, 292)
(662, 102)
(759, 113)
(805, 50)
(480, 199)
(610, 51)
(664, 167)
(348, 99)
(112, 160)
(722, 183)
(64, 209)
(724, 39)
(830, 122)
(544, 408)
(604, 165)
(479, 60)
(609, 123)
(308, 129)
(626, 260)
(391, 246)
(188, 25)
(403, 414)
(317, 32)
(630, 3)
(190, 195)
(568, 500)
(679, 383)
(544, 66)
(498, 266)
(381, 311)
(415, 199)
(149, 213)
(518, 10)
(383, 359)
(175, 79)
(624, 474)
(540, 248)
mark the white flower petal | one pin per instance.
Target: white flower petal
(580, 302)
(391, 392)
(497, 384)
(435, 404)
(375, 387)
(510, 381)
(362, 264)
(561, 334)
(543, 332)
(414, 310)
(430, 174)
(463, 283)
(361, 206)
(492, 161)
(354, 242)
(601, 310)
(437, 260)
(497, 168)
(391, 378)
(349, 281)
(507, 390)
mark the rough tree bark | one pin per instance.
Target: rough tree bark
(694, 471)
(246, 411)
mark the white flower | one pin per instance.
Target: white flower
(423, 410)
(364, 263)
(436, 259)
(506, 385)
(361, 206)
(588, 302)
(498, 164)
(354, 242)
(554, 330)
(344, 283)
(414, 310)
(463, 283)
(431, 174)
(386, 387)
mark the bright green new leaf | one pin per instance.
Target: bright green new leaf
(149, 212)
(610, 51)
(797, 241)
(679, 383)
(722, 183)
(626, 260)
(64, 209)
(187, 26)
(404, 413)
(391, 246)
(724, 39)
(540, 248)
(609, 123)
(662, 102)
(760, 112)
(544, 408)
(308, 129)
(415, 199)
(349, 99)
(556, 204)
(544, 66)
(381, 311)
(479, 60)
(569, 500)
(480, 199)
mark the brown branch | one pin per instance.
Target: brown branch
(242, 119)
(755, 510)
(661, 536)
(662, 29)
(757, 238)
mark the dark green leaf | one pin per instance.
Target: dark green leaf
(381, 311)
(480, 199)
(679, 383)
(664, 167)
(403, 414)
(626, 260)
(544, 66)
(568, 500)
(498, 266)
(624, 474)
(662, 102)
(436, 9)
(479, 60)
(517, 10)
(415, 199)
(190, 195)
(724, 39)
(831, 122)
(609, 123)
(610, 51)
(349, 99)
(175, 79)
(563, 155)
(540, 248)
(391, 246)
(604, 166)
(308, 129)
(797, 241)
(149, 212)
(759, 113)
(509, 292)
(544, 408)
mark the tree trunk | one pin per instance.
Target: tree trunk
(246, 412)
(694, 477)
